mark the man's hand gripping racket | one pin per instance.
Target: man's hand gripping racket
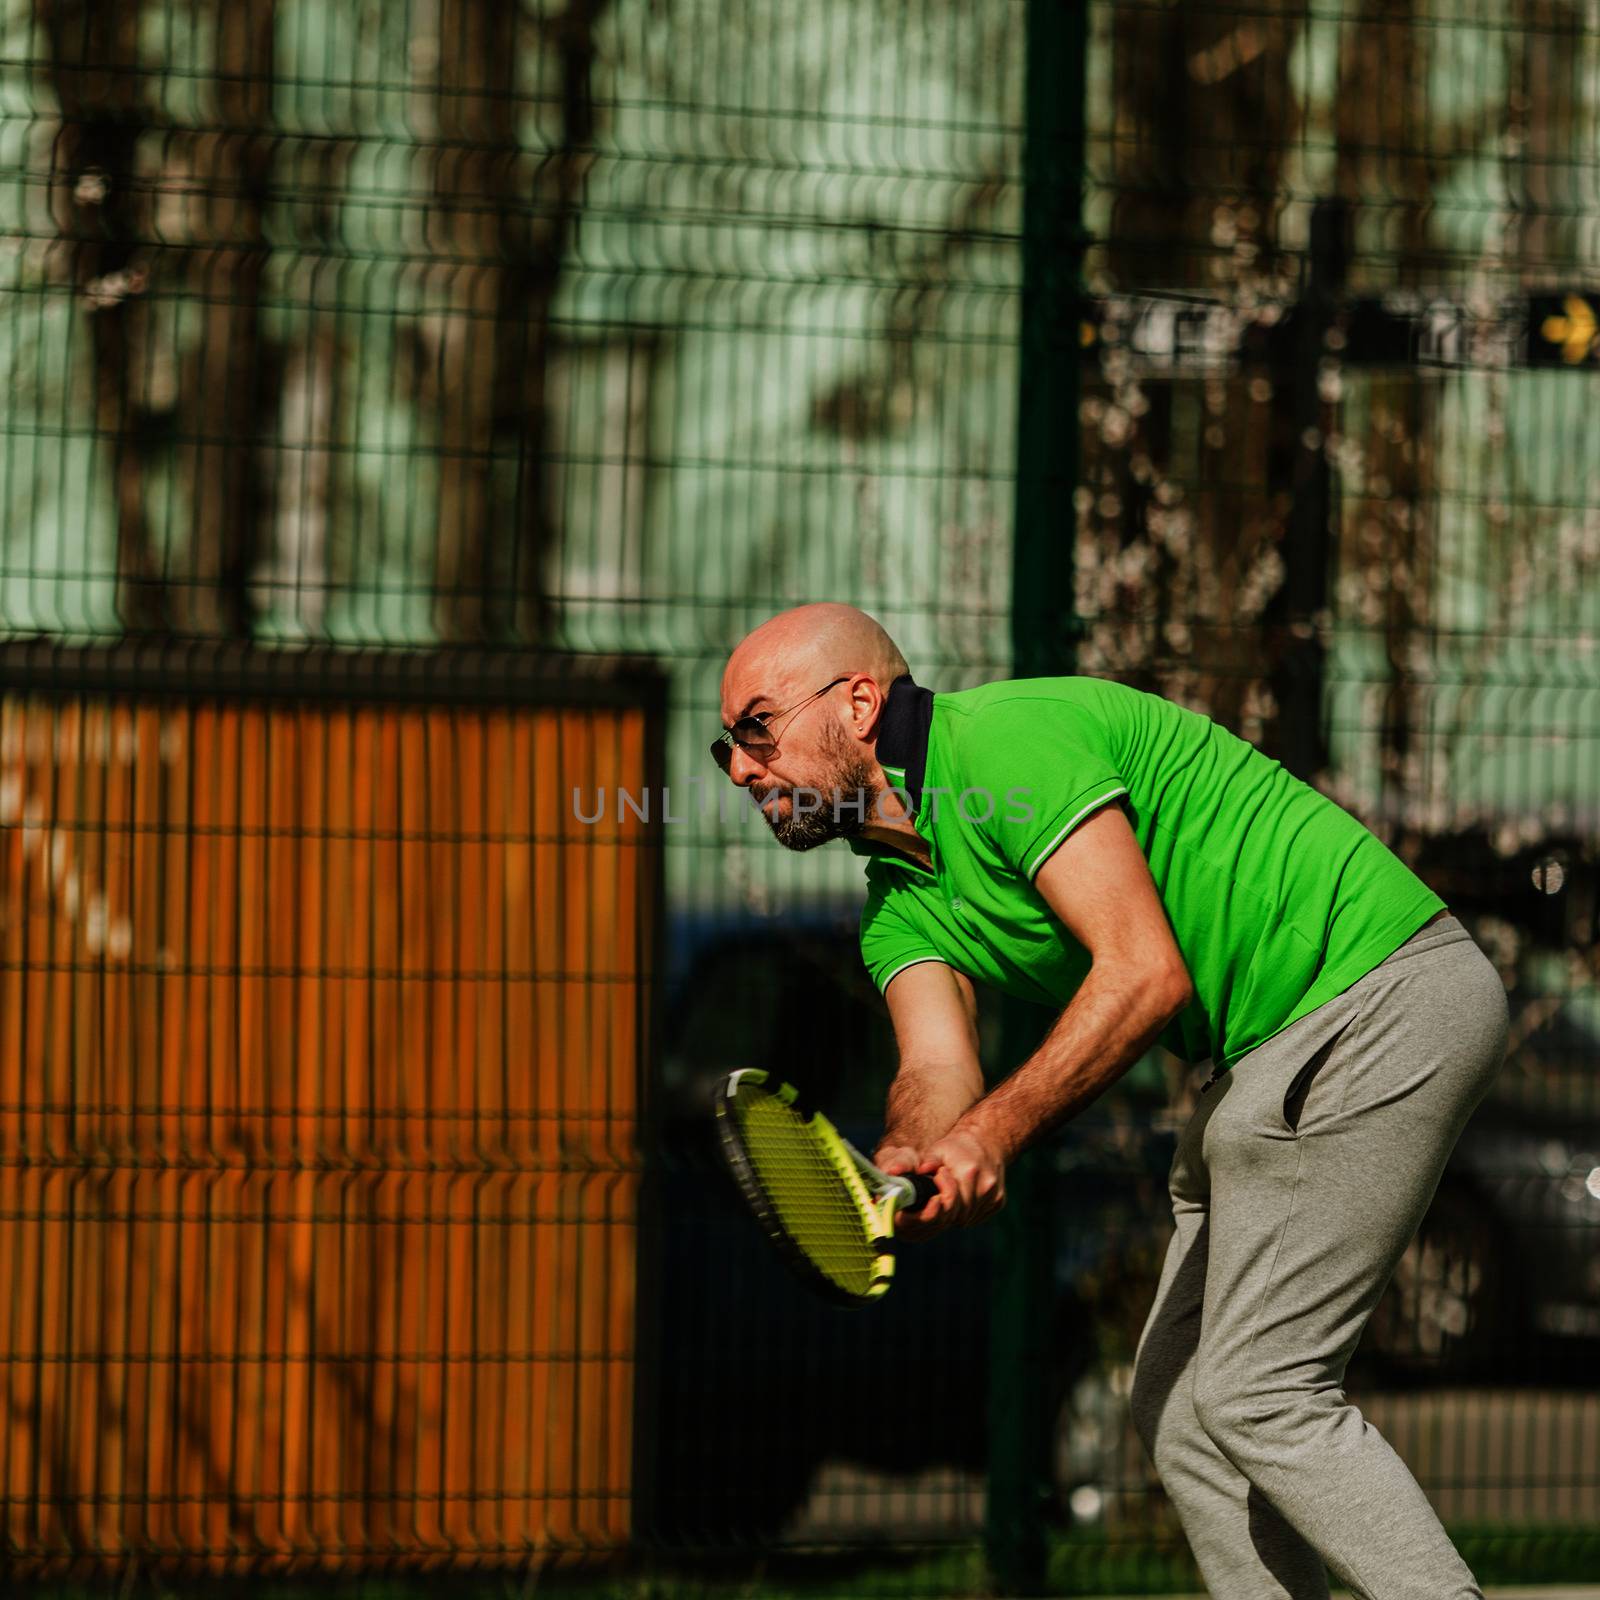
(824, 1205)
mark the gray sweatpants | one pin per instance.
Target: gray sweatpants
(1302, 1176)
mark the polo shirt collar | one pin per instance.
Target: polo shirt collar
(902, 752)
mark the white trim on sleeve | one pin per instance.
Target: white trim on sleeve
(1067, 827)
(914, 961)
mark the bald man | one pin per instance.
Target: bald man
(1102, 851)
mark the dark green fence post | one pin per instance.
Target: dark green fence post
(1021, 1430)
(1043, 621)
(1043, 632)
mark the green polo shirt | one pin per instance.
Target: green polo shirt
(1278, 898)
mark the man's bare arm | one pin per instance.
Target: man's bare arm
(1098, 884)
(935, 1016)
(1111, 1021)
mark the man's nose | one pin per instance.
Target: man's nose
(744, 767)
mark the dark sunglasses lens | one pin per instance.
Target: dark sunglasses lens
(751, 735)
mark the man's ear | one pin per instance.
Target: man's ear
(867, 700)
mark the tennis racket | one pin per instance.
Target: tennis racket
(829, 1210)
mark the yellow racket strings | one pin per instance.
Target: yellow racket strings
(814, 1191)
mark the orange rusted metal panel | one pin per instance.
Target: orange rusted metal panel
(319, 1034)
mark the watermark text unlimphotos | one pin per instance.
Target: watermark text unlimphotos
(685, 801)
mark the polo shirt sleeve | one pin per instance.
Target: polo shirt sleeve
(889, 943)
(1047, 766)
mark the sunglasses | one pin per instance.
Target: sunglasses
(752, 735)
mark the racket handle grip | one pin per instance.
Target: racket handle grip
(923, 1189)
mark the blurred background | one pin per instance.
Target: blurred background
(407, 406)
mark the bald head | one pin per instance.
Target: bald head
(798, 650)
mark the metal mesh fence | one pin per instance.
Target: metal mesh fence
(598, 328)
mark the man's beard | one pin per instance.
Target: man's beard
(843, 801)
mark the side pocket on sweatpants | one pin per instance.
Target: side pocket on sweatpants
(1294, 1097)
